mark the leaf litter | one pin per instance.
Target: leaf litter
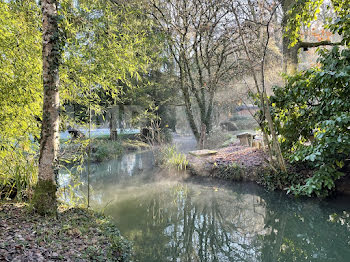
(74, 235)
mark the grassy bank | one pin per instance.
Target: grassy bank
(102, 148)
(75, 235)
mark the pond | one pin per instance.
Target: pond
(170, 217)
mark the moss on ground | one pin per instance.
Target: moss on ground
(75, 235)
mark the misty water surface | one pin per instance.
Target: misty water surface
(171, 217)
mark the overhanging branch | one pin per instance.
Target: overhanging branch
(317, 44)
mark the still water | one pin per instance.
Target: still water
(169, 217)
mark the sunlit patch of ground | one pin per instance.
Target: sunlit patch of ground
(233, 162)
(244, 156)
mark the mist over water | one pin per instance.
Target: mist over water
(173, 217)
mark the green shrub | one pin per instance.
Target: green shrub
(18, 174)
(312, 117)
(279, 180)
(170, 158)
(105, 149)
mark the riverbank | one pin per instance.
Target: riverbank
(75, 235)
(161, 212)
(102, 148)
(235, 162)
(249, 164)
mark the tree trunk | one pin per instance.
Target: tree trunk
(44, 199)
(290, 54)
(188, 104)
(275, 143)
(113, 134)
(121, 118)
(203, 136)
(290, 57)
(208, 117)
(190, 117)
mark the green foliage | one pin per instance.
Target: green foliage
(104, 44)
(279, 180)
(327, 154)
(341, 24)
(170, 158)
(20, 95)
(305, 11)
(312, 116)
(104, 150)
(119, 248)
(302, 12)
(108, 46)
(20, 70)
(18, 175)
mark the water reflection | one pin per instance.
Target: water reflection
(201, 220)
(128, 169)
(123, 167)
(191, 222)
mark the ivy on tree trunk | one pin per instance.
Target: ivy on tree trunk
(44, 200)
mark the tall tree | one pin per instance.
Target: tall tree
(255, 40)
(44, 199)
(110, 47)
(201, 41)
